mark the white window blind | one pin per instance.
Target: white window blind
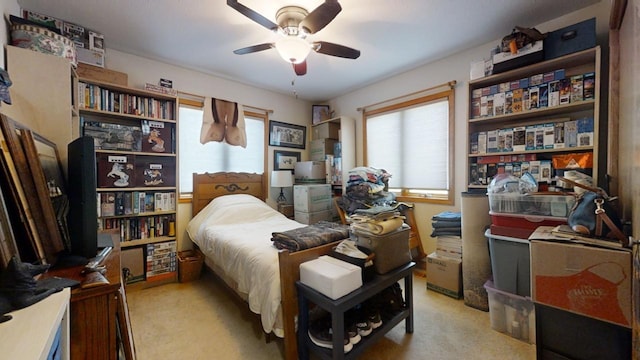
(216, 156)
(412, 144)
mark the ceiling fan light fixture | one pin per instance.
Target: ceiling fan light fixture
(293, 49)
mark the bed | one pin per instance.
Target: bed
(239, 250)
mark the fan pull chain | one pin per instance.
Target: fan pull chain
(293, 85)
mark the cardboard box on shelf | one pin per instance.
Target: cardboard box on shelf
(444, 275)
(320, 148)
(92, 72)
(310, 172)
(312, 197)
(586, 280)
(327, 130)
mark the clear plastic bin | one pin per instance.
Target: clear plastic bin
(511, 314)
(543, 205)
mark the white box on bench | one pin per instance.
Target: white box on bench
(330, 276)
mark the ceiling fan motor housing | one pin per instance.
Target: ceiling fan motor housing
(289, 18)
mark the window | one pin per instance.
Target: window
(413, 141)
(217, 156)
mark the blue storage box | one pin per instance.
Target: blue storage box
(570, 39)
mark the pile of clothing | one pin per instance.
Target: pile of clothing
(367, 187)
(377, 220)
(447, 228)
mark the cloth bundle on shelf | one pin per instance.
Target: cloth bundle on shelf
(377, 220)
(367, 187)
(447, 228)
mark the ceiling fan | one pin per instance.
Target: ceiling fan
(295, 23)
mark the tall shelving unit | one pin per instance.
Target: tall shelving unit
(135, 137)
(347, 131)
(578, 63)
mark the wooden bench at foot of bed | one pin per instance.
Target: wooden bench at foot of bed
(289, 274)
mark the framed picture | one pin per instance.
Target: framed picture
(285, 160)
(287, 135)
(319, 113)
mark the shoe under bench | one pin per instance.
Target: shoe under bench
(338, 307)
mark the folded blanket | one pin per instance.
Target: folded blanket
(446, 231)
(306, 237)
(447, 215)
(446, 224)
(378, 227)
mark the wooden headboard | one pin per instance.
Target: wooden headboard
(207, 187)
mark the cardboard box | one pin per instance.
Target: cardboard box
(328, 130)
(310, 172)
(86, 71)
(312, 198)
(586, 280)
(132, 263)
(320, 148)
(444, 275)
(312, 217)
(330, 276)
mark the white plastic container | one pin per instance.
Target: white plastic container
(511, 314)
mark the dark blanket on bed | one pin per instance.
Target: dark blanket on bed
(306, 237)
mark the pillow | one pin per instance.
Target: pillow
(230, 209)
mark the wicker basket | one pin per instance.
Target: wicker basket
(189, 265)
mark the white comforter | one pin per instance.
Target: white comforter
(234, 231)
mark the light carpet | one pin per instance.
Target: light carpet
(203, 319)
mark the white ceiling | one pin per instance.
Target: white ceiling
(393, 35)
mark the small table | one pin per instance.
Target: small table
(338, 307)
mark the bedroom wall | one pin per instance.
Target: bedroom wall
(10, 7)
(285, 107)
(455, 67)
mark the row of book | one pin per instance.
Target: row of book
(481, 174)
(538, 91)
(161, 260)
(550, 135)
(118, 203)
(91, 96)
(141, 227)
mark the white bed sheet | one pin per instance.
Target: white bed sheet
(234, 232)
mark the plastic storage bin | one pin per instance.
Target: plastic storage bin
(511, 314)
(510, 264)
(527, 223)
(542, 205)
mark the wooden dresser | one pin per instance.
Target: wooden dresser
(95, 313)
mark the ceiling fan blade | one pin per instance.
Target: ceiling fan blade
(251, 14)
(254, 48)
(332, 49)
(300, 69)
(320, 16)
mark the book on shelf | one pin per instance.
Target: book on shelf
(492, 141)
(565, 91)
(585, 132)
(490, 105)
(545, 170)
(473, 143)
(534, 169)
(558, 135)
(539, 136)
(534, 93)
(589, 84)
(577, 93)
(517, 169)
(516, 103)
(526, 103)
(536, 79)
(548, 77)
(543, 95)
(530, 137)
(501, 138)
(508, 102)
(482, 142)
(519, 138)
(554, 93)
(525, 167)
(483, 105)
(107, 204)
(498, 103)
(508, 140)
(548, 139)
(571, 133)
